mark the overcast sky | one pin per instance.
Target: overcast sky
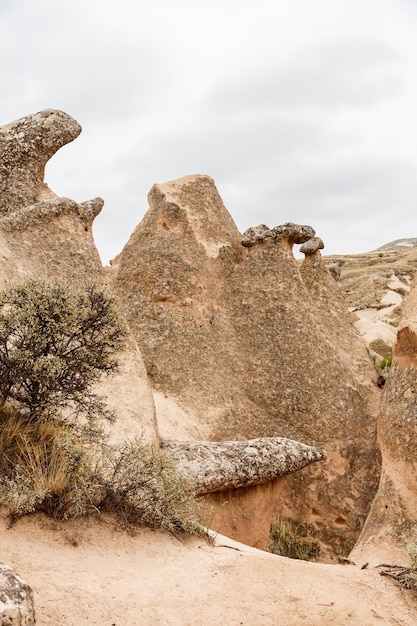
(301, 110)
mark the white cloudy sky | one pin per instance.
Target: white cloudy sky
(301, 110)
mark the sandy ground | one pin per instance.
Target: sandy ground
(87, 572)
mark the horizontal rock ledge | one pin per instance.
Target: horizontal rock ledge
(216, 466)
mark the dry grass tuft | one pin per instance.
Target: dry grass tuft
(287, 538)
(43, 468)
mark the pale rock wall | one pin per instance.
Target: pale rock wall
(253, 347)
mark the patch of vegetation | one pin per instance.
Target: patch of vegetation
(43, 468)
(142, 486)
(287, 538)
(55, 343)
(385, 364)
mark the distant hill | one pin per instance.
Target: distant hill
(399, 244)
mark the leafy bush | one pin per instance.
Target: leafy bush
(287, 538)
(55, 343)
(143, 487)
(44, 468)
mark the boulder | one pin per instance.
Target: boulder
(216, 466)
(17, 606)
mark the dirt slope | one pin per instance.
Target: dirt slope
(87, 573)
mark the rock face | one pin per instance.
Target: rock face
(16, 599)
(26, 145)
(252, 346)
(392, 522)
(216, 466)
(42, 235)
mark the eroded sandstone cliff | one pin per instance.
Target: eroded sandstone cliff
(251, 346)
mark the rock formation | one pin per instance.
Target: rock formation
(392, 522)
(42, 235)
(216, 466)
(235, 334)
(16, 599)
(253, 347)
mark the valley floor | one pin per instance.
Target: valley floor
(87, 572)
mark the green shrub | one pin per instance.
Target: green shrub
(143, 487)
(45, 468)
(287, 538)
(55, 343)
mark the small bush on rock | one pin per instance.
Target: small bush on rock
(385, 364)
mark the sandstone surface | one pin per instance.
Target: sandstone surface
(87, 572)
(249, 346)
(375, 285)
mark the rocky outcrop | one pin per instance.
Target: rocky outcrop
(216, 466)
(16, 599)
(26, 145)
(42, 235)
(252, 346)
(389, 534)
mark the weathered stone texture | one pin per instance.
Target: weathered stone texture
(26, 145)
(252, 346)
(216, 466)
(16, 599)
(41, 234)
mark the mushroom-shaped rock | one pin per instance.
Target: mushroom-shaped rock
(16, 599)
(294, 233)
(26, 145)
(42, 235)
(288, 234)
(256, 233)
(216, 466)
(312, 246)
